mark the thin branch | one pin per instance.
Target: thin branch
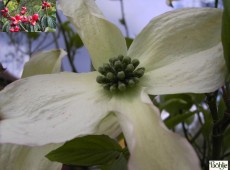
(67, 45)
(123, 18)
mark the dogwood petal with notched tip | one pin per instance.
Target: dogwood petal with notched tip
(15, 157)
(51, 108)
(103, 39)
(176, 35)
(44, 63)
(151, 145)
(199, 73)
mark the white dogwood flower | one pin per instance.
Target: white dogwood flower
(177, 52)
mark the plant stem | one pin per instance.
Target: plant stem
(217, 135)
(216, 3)
(23, 27)
(123, 17)
(67, 45)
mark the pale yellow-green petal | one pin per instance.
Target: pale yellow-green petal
(44, 62)
(152, 146)
(176, 35)
(51, 108)
(16, 157)
(198, 73)
(109, 126)
(103, 39)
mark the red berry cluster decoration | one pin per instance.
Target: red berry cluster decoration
(5, 12)
(45, 5)
(22, 21)
(23, 11)
(15, 20)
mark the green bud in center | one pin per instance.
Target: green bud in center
(120, 73)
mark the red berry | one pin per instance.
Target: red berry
(23, 12)
(24, 19)
(2, 11)
(15, 22)
(6, 10)
(11, 29)
(12, 18)
(35, 17)
(24, 8)
(16, 29)
(48, 5)
(45, 3)
(33, 22)
(18, 17)
(4, 14)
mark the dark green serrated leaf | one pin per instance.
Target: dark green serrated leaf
(44, 22)
(87, 151)
(173, 121)
(226, 32)
(6, 27)
(51, 22)
(48, 29)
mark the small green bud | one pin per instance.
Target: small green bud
(135, 79)
(126, 60)
(100, 79)
(131, 83)
(139, 72)
(101, 70)
(106, 67)
(112, 60)
(121, 86)
(110, 76)
(113, 88)
(120, 57)
(135, 62)
(106, 87)
(118, 65)
(121, 75)
(129, 68)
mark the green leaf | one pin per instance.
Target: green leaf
(176, 103)
(226, 32)
(120, 163)
(173, 121)
(48, 29)
(51, 21)
(6, 27)
(88, 151)
(128, 41)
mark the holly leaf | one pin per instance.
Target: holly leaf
(89, 151)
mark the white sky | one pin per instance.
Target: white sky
(137, 12)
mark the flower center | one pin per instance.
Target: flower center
(120, 73)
